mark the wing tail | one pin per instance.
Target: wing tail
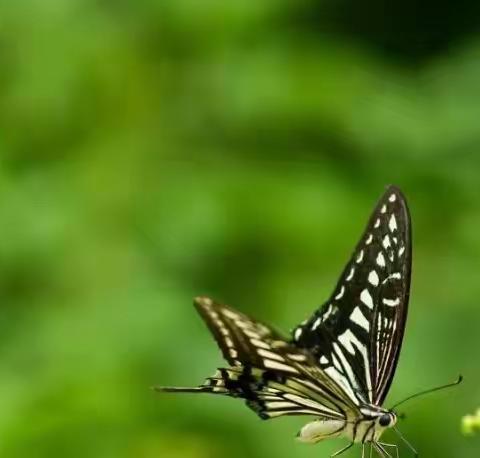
(175, 389)
(215, 384)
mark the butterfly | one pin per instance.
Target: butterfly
(339, 364)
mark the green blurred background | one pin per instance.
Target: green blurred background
(152, 151)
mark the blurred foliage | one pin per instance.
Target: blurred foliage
(471, 424)
(156, 150)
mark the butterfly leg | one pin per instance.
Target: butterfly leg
(371, 449)
(341, 451)
(391, 445)
(381, 450)
(377, 449)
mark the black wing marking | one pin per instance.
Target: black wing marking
(273, 376)
(357, 334)
(268, 394)
(242, 340)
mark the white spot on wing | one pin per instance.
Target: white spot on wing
(296, 357)
(270, 355)
(366, 298)
(260, 344)
(377, 223)
(386, 241)
(384, 209)
(269, 364)
(391, 302)
(392, 224)
(230, 314)
(401, 251)
(204, 301)
(298, 333)
(392, 198)
(242, 324)
(359, 318)
(323, 360)
(395, 275)
(360, 257)
(350, 275)
(326, 314)
(369, 239)
(381, 259)
(373, 278)
(317, 323)
(251, 334)
(341, 293)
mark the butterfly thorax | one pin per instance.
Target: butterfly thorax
(371, 424)
(367, 425)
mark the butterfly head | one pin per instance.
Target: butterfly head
(387, 419)
(381, 418)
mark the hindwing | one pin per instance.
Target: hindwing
(274, 376)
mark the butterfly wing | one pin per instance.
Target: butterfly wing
(357, 334)
(274, 377)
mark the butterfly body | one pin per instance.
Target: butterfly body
(368, 427)
(337, 365)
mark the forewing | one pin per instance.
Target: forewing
(357, 334)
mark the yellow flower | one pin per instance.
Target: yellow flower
(471, 424)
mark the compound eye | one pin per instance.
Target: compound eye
(384, 420)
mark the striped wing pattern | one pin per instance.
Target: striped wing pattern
(357, 334)
(273, 376)
(271, 396)
(342, 358)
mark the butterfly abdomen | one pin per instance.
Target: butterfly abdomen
(318, 430)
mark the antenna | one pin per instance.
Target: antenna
(431, 390)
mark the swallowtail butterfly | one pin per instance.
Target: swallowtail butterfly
(339, 364)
